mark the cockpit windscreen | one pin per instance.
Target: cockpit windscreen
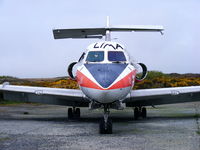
(116, 56)
(95, 56)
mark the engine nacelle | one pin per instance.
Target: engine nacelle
(144, 73)
(70, 70)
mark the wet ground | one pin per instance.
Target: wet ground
(33, 126)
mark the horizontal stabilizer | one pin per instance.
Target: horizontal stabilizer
(138, 28)
(79, 33)
(100, 32)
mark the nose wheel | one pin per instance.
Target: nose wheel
(105, 125)
(74, 113)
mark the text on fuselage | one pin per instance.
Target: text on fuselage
(104, 45)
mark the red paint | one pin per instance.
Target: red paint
(124, 82)
(84, 81)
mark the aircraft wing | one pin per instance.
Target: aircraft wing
(72, 97)
(159, 96)
(56, 96)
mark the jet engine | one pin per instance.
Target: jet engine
(142, 75)
(70, 70)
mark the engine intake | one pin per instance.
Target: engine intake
(70, 70)
(144, 73)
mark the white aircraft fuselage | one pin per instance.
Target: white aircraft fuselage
(105, 73)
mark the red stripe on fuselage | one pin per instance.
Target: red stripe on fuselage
(84, 81)
(124, 82)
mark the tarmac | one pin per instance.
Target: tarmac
(46, 127)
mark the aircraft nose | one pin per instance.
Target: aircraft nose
(105, 74)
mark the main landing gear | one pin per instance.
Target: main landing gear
(140, 112)
(105, 125)
(74, 113)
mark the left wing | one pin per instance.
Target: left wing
(57, 96)
(159, 96)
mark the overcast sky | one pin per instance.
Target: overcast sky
(27, 47)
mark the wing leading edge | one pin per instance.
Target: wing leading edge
(159, 96)
(56, 96)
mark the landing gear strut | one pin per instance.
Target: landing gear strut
(74, 113)
(140, 112)
(105, 125)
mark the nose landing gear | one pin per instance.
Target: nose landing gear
(105, 125)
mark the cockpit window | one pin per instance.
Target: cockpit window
(95, 56)
(116, 56)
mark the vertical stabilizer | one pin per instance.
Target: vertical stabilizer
(108, 36)
(108, 22)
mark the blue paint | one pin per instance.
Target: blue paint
(105, 74)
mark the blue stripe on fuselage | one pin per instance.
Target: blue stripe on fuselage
(105, 74)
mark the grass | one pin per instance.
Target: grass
(197, 115)
(4, 139)
(198, 132)
(9, 103)
(4, 102)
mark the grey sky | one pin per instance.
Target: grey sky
(27, 47)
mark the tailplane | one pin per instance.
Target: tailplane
(104, 31)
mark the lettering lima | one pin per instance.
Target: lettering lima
(103, 45)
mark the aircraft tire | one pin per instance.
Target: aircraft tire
(102, 126)
(144, 112)
(103, 129)
(70, 113)
(77, 113)
(109, 127)
(136, 113)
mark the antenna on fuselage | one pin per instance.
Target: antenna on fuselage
(105, 31)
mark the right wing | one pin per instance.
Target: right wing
(56, 96)
(159, 96)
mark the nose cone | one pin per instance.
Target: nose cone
(105, 74)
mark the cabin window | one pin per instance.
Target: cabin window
(95, 56)
(116, 56)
